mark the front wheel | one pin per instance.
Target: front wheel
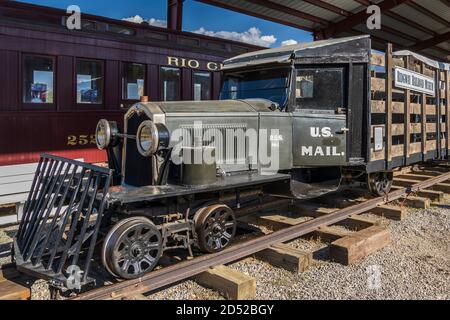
(132, 248)
(380, 183)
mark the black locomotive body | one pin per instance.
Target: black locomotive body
(293, 122)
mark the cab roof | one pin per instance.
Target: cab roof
(348, 49)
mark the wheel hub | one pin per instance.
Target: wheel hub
(137, 250)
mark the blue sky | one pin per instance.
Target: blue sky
(198, 17)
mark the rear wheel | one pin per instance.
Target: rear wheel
(380, 183)
(132, 248)
(215, 226)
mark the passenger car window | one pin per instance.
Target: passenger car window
(320, 89)
(202, 86)
(89, 81)
(38, 80)
(133, 81)
(170, 84)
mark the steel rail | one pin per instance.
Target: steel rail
(186, 269)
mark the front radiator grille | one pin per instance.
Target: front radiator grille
(229, 140)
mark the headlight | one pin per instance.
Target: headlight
(105, 133)
(151, 137)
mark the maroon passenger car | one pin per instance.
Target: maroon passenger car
(56, 83)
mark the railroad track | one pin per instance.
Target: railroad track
(411, 187)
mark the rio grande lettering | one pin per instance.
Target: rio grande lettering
(321, 151)
(192, 63)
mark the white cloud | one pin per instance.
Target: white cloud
(288, 42)
(252, 36)
(152, 21)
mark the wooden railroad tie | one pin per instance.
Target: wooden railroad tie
(233, 284)
(12, 285)
(286, 257)
(390, 212)
(435, 197)
(357, 246)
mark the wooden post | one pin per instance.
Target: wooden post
(388, 92)
(407, 136)
(438, 111)
(447, 110)
(424, 118)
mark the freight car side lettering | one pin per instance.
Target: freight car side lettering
(80, 140)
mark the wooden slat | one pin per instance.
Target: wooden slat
(427, 72)
(431, 145)
(377, 106)
(398, 62)
(407, 118)
(377, 84)
(378, 59)
(416, 108)
(398, 107)
(415, 127)
(415, 147)
(431, 127)
(397, 150)
(431, 109)
(377, 155)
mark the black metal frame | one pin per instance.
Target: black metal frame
(63, 212)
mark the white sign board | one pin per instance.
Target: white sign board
(407, 79)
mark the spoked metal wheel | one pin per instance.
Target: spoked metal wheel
(132, 248)
(215, 226)
(380, 183)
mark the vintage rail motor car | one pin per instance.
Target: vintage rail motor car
(292, 122)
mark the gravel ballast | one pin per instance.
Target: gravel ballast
(416, 265)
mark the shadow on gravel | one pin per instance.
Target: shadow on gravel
(323, 254)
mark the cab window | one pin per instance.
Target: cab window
(319, 89)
